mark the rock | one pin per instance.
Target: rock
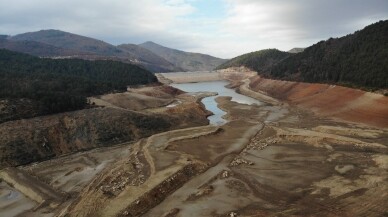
(233, 214)
(237, 161)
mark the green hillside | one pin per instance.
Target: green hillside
(149, 60)
(358, 60)
(71, 41)
(52, 86)
(55, 43)
(258, 61)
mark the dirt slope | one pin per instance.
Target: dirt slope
(30, 140)
(328, 100)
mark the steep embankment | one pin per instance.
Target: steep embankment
(36, 139)
(328, 100)
(30, 140)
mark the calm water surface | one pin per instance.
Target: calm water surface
(210, 103)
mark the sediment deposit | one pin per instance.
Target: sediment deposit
(272, 159)
(328, 100)
(233, 75)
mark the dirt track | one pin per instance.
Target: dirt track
(268, 160)
(295, 164)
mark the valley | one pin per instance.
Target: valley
(269, 156)
(90, 128)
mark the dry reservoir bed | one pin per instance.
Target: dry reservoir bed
(268, 160)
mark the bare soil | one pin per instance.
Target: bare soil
(333, 101)
(269, 160)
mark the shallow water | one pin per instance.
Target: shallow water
(210, 103)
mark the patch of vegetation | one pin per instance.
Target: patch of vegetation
(258, 61)
(64, 85)
(356, 60)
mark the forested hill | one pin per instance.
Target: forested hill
(56, 43)
(259, 61)
(357, 60)
(51, 86)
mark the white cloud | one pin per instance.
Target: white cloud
(92, 17)
(245, 25)
(282, 24)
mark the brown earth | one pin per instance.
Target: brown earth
(289, 168)
(233, 75)
(268, 160)
(30, 140)
(328, 100)
(138, 99)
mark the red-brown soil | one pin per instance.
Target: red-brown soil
(329, 100)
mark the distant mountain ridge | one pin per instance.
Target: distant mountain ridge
(184, 60)
(71, 41)
(59, 44)
(38, 49)
(87, 48)
(145, 56)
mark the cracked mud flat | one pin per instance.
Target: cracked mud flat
(268, 160)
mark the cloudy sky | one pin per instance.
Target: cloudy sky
(223, 28)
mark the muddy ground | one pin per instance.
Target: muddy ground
(268, 160)
(295, 164)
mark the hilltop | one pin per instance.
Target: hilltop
(296, 50)
(154, 57)
(159, 64)
(357, 60)
(71, 41)
(38, 48)
(184, 60)
(258, 61)
(60, 44)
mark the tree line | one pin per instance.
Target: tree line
(358, 60)
(64, 84)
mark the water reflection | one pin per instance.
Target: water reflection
(210, 103)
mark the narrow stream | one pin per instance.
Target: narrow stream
(210, 103)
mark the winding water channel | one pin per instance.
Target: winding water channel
(210, 103)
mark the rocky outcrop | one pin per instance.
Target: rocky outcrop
(36, 139)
